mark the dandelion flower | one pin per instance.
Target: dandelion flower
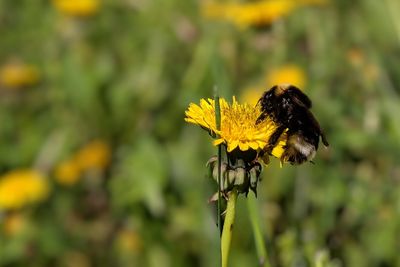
(14, 223)
(94, 155)
(238, 124)
(68, 172)
(287, 74)
(356, 57)
(22, 187)
(82, 8)
(16, 75)
(256, 13)
(128, 241)
(251, 95)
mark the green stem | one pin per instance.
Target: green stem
(258, 237)
(228, 227)
(218, 124)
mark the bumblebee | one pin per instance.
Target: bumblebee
(290, 108)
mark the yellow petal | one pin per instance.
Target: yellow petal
(277, 151)
(243, 146)
(232, 145)
(253, 145)
(218, 141)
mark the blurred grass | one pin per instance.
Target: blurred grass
(124, 75)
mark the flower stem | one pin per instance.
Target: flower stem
(228, 227)
(258, 237)
(218, 124)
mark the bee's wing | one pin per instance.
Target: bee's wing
(298, 97)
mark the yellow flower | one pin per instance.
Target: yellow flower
(255, 13)
(356, 57)
(238, 124)
(22, 187)
(74, 258)
(16, 75)
(81, 8)
(258, 13)
(313, 2)
(14, 224)
(68, 172)
(291, 74)
(128, 241)
(95, 155)
(251, 95)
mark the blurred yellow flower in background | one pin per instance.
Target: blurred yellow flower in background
(75, 258)
(80, 8)
(94, 155)
(312, 2)
(371, 72)
(68, 172)
(366, 66)
(254, 13)
(290, 73)
(22, 187)
(128, 241)
(356, 57)
(238, 124)
(251, 95)
(17, 75)
(13, 224)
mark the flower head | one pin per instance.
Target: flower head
(67, 172)
(16, 75)
(94, 155)
(252, 94)
(22, 187)
(14, 224)
(238, 124)
(80, 8)
(287, 74)
(256, 13)
(128, 241)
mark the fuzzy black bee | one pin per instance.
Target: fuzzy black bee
(290, 108)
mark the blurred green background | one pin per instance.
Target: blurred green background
(98, 167)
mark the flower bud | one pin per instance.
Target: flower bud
(242, 180)
(254, 174)
(237, 174)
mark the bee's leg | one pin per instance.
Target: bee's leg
(324, 140)
(261, 118)
(260, 154)
(273, 140)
